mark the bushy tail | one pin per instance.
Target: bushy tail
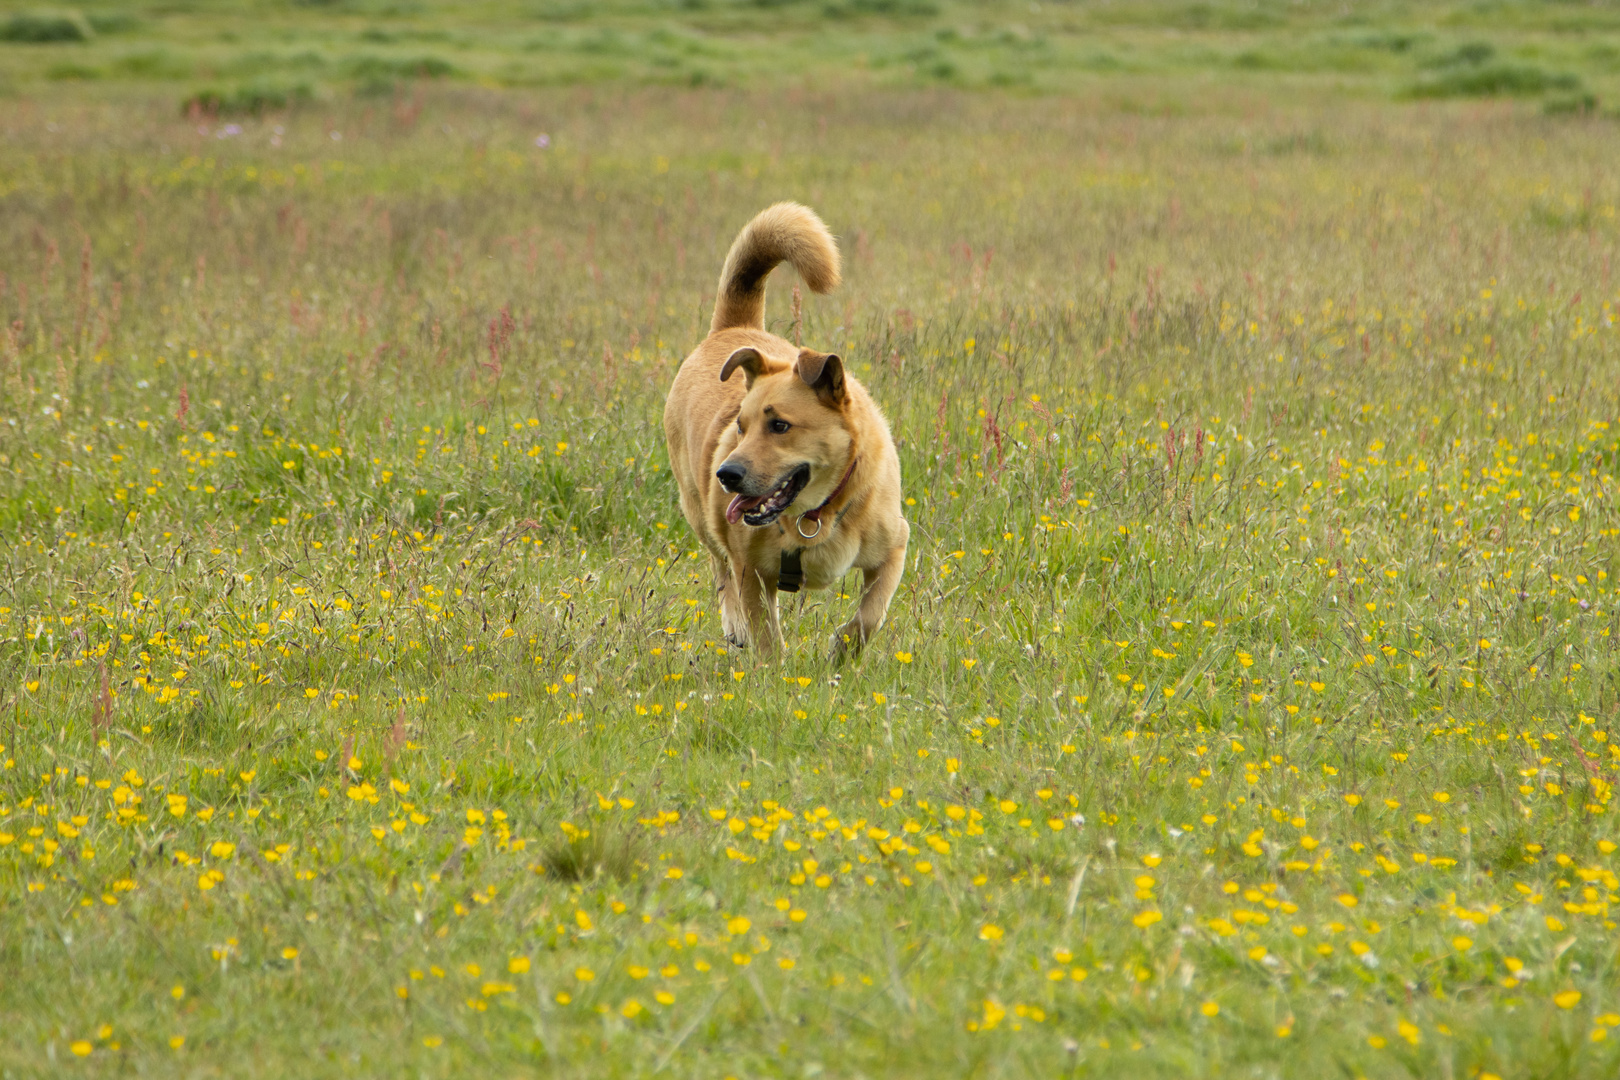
(786, 232)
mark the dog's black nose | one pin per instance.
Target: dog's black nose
(730, 475)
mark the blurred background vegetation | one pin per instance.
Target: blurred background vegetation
(250, 55)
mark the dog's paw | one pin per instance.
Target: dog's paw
(845, 645)
(735, 629)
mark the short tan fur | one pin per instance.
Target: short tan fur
(804, 451)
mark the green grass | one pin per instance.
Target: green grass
(1245, 708)
(379, 46)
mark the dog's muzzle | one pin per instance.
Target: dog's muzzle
(757, 510)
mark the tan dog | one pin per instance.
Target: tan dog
(788, 475)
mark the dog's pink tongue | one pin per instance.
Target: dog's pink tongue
(741, 504)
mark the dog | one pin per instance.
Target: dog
(788, 475)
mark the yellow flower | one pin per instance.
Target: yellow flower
(433, 1042)
(1210, 1008)
(584, 974)
(1568, 999)
(1462, 944)
(289, 953)
(990, 932)
(81, 1048)
(518, 965)
(176, 1041)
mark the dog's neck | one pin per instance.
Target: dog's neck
(790, 578)
(815, 515)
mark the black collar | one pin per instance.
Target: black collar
(791, 577)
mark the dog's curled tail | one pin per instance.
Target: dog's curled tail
(786, 232)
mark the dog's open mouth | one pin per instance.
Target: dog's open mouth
(757, 510)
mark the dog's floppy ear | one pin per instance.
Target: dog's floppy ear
(749, 359)
(823, 373)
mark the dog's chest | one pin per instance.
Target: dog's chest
(826, 562)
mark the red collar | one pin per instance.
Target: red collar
(815, 515)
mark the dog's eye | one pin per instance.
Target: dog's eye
(780, 427)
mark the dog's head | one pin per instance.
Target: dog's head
(793, 441)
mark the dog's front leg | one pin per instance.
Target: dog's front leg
(881, 581)
(759, 606)
(733, 619)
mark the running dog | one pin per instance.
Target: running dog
(788, 475)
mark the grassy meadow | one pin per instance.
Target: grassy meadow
(253, 55)
(1248, 707)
